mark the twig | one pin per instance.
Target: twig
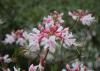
(42, 59)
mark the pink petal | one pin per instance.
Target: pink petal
(77, 67)
(31, 68)
(68, 67)
(40, 27)
(66, 29)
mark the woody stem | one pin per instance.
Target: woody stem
(42, 59)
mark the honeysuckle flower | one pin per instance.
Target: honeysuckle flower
(50, 30)
(38, 67)
(61, 33)
(6, 59)
(25, 35)
(49, 42)
(66, 36)
(76, 67)
(16, 69)
(83, 68)
(21, 41)
(52, 19)
(34, 46)
(60, 29)
(35, 68)
(35, 31)
(73, 15)
(48, 21)
(40, 27)
(5, 69)
(47, 35)
(84, 16)
(15, 36)
(60, 20)
(88, 19)
(10, 38)
(33, 40)
(19, 33)
(20, 37)
(63, 70)
(69, 39)
(32, 68)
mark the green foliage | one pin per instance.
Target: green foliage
(27, 13)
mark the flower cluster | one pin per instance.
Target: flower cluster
(47, 34)
(76, 67)
(36, 68)
(50, 33)
(84, 16)
(15, 36)
(5, 59)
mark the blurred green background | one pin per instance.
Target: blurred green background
(28, 13)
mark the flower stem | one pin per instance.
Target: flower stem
(77, 51)
(43, 58)
(47, 51)
(62, 47)
(75, 24)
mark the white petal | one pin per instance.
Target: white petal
(69, 39)
(25, 35)
(41, 67)
(31, 68)
(48, 25)
(73, 16)
(52, 38)
(20, 41)
(70, 13)
(6, 56)
(63, 70)
(52, 42)
(35, 30)
(46, 46)
(44, 41)
(52, 49)
(9, 39)
(60, 28)
(8, 60)
(87, 20)
(16, 69)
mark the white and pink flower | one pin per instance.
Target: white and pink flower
(10, 38)
(5, 58)
(88, 19)
(35, 68)
(48, 21)
(48, 33)
(84, 16)
(49, 43)
(76, 67)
